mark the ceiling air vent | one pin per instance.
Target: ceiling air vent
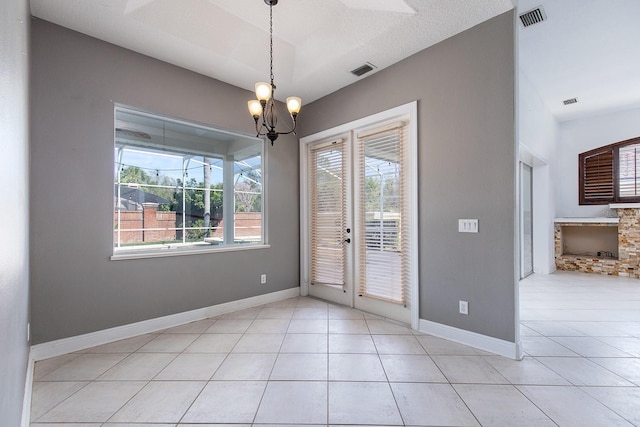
(364, 69)
(534, 16)
(570, 101)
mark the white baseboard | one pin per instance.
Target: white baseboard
(80, 342)
(472, 339)
(28, 389)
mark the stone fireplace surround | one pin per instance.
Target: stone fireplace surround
(628, 262)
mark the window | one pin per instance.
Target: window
(181, 186)
(610, 174)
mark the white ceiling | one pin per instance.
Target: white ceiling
(588, 49)
(316, 42)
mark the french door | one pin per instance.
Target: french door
(359, 223)
(330, 222)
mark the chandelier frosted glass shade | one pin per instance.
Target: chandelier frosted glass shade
(294, 104)
(263, 91)
(255, 108)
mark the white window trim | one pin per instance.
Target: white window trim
(160, 253)
(143, 253)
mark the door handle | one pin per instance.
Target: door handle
(347, 240)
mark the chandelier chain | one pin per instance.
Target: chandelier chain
(271, 43)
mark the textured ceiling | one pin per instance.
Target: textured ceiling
(586, 49)
(316, 42)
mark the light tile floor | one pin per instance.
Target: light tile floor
(305, 362)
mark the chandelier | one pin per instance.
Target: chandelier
(263, 109)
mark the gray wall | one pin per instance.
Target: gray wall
(465, 92)
(76, 289)
(14, 167)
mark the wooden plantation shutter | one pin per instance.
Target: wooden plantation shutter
(384, 271)
(597, 176)
(629, 171)
(328, 213)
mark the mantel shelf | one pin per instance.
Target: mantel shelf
(624, 206)
(596, 220)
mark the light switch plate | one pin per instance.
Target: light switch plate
(467, 225)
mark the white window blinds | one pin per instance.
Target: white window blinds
(328, 213)
(384, 271)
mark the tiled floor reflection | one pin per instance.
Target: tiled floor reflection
(304, 362)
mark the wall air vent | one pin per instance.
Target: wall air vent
(534, 16)
(570, 101)
(363, 69)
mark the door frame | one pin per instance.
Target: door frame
(542, 210)
(410, 109)
(521, 217)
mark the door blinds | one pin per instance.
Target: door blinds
(328, 213)
(383, 267)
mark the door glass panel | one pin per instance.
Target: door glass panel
(328, 214)
(380, 249)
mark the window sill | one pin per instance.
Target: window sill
(161, 253)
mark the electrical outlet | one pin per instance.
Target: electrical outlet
(463, 307)
(263, 279)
